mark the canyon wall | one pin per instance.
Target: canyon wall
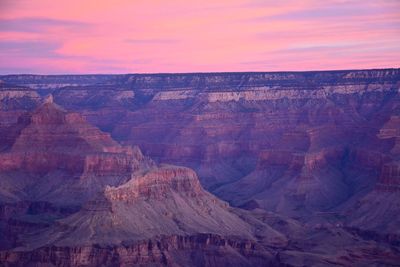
(311, 157)
(317, 128)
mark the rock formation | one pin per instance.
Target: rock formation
(378, 211)
(319, 147)
(54, 154)
(68, 187)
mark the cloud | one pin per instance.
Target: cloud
(189, 36)
(151, 41)
(321, 11)
(29, 48)
(39, 24)
(326, 12)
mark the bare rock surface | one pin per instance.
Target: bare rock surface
(68, 189)
(313, 157)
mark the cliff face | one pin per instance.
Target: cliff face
(321, 147)
(14, 101)
(72, 196)
(221, 124)
(378, 211)
(53, 154)
(197, 250)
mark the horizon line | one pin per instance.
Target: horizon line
(200, 72)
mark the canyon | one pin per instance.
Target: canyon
(201, 169)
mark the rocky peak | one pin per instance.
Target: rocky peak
(49, 113)
(157, 184)
(48, 99)
(54, 139)
(163, 201)
(52, 128)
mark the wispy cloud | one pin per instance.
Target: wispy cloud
(326, 12)
(39, 24)
(29, 48)
(151, 41)
(184, 36)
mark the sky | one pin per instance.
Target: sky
(153, 36)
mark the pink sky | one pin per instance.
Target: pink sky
(136, 36)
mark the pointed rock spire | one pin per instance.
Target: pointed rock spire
(48, 99)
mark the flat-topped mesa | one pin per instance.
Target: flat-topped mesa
(158, 184)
